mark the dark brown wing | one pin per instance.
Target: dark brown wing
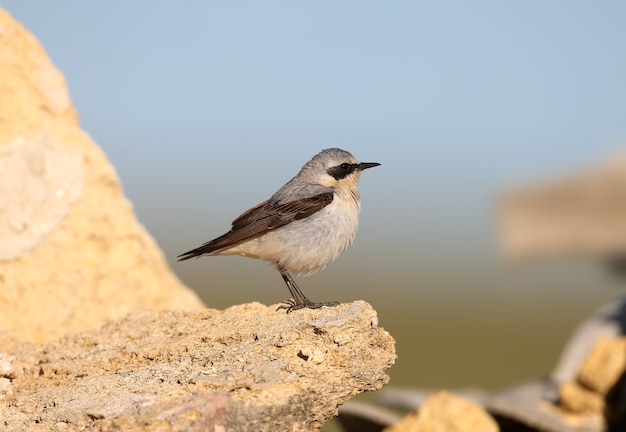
(259, 220)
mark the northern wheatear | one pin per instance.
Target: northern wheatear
(303, 227)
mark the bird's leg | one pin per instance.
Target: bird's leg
(298, 300)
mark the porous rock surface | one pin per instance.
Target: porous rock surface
(247, 368)
(72, 254)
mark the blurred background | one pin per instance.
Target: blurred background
(206, 108)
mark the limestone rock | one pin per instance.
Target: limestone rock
(444, 412)
(6, 374)
(242, 369)
(72, 254)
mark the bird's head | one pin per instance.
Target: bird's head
(335, 168)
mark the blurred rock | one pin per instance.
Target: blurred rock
(444, 412)
(525, 407)
(583, 214)
(586, 392)
(579, 400)
(605, 366)
(241, 369)
(599, 389)
(593, 401)
(522, 408)
(608, 322)
(72, 254)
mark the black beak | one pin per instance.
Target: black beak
(365, 165)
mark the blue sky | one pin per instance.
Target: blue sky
(482, 92)
(205, 108)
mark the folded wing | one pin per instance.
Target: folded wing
(261, 219)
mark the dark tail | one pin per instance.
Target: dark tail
(206, 248)
(222, 242)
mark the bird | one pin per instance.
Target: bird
(303, 227)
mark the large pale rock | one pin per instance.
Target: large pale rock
(247, 368)
(580, 214)
(72, 254)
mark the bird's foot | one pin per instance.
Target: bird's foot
(291, 305)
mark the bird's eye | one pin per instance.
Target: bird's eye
(342, 171)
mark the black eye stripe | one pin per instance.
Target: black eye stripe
(342, 171)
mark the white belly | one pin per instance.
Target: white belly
(305, 246)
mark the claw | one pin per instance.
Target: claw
(291, 305)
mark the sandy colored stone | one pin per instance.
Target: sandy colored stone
(582, 213)
(241, 369)
(72, 254)
(577, 399)
(444, 412)
(604, 366)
